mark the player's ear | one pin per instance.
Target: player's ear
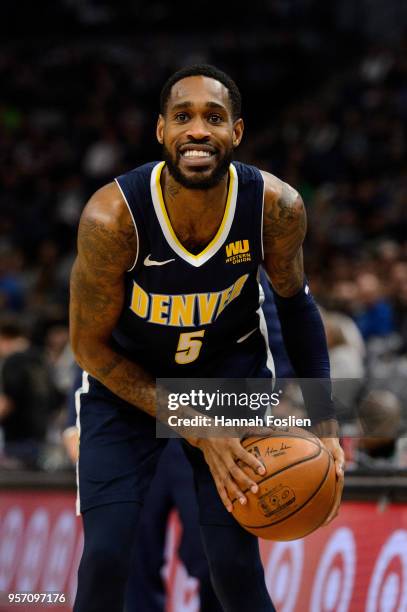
(160, 129)
(238, 128)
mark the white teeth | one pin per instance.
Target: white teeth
(195, 153)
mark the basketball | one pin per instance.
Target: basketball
(297, 491)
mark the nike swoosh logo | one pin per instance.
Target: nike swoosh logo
(243, 338)
(152, 262)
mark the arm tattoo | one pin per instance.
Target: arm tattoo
(105, 249)
(284, 229)
(132, 383)
(107, 368)
(97, 282)
(97, 297)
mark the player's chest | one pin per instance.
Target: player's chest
(169, 290)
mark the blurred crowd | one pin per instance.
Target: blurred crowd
(325, 109)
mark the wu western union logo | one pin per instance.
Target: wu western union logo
(238, 252)
(185, 310)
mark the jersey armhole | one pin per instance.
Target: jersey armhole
(135, 226)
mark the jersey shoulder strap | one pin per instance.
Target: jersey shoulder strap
(135, 188)
(251, 205)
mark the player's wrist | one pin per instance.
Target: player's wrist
(328, 428)
(194, 441)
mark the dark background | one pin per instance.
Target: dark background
(324, 88)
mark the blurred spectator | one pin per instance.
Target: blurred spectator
(345, 345)
(11, 286)
(398, 297)
(101, 160)
(375, 316)
(27, 396)
(343, 297)
(347, 358)
(59, 355)
(380, 422)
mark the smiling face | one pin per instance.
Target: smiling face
(198, 132)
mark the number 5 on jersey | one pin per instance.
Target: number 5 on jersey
(188, 346)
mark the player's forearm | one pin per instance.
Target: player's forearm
(96, 301)
(304, 334)
(123, 377)
(305, 341)
(129, 381)
(327, 429)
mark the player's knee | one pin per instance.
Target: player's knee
(101, 559)
(226, 569)
(231, 553)
(196, 567)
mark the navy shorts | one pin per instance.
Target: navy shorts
(119, 452)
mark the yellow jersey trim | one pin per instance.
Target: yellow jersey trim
(168, 230)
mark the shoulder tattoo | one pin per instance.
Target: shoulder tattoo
(284, 224)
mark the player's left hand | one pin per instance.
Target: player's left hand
(332, 444)
(327, 432)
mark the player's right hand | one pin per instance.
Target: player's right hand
(224, 457)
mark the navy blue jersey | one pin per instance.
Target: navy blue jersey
(195, 315)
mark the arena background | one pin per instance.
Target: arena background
(324, 88)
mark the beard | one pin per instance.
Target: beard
(200, 180)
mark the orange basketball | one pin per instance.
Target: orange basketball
(297, 492)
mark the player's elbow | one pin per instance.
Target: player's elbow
(90, 351)
(81, 348)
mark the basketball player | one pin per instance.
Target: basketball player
(172, 487)
(165, 285)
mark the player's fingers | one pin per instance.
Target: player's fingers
(338, 496)
(224, 496)
(234, 491)
(221, 488)
(248, 458)
(340, 468)
(224, 467)
(230, 489)
(241, 478)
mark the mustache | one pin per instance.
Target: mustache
(222, 166)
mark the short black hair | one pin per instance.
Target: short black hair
(208, 71)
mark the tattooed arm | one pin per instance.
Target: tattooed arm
(284, 227)
(107, 247)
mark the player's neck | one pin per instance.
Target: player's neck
(193, 202)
